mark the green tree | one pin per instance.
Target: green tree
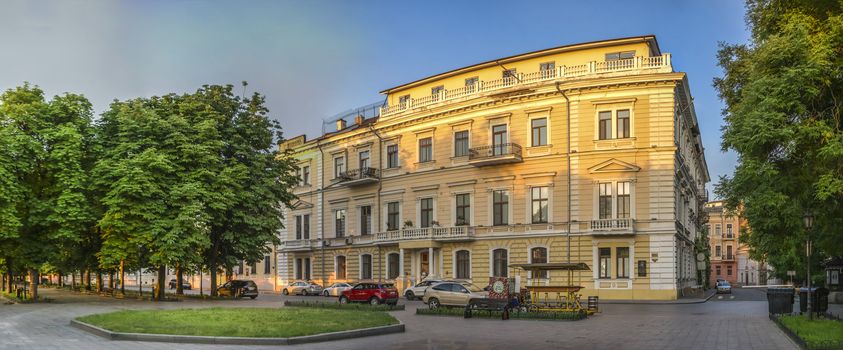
(783, 93)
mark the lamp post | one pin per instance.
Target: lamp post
(808, 221)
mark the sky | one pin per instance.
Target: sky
(313, 59)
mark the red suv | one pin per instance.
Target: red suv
(372, 293)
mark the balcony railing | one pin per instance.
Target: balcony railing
(360, 176)
(299, 244)
(612, 225)
(495, 154)
(434, 233)
(560, 73)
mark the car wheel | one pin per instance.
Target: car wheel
(343, 300)
(433, 303)
(285, 292)
(325, 293)
(253, 297)
(304, 292)
(374, 301)
(410, 295)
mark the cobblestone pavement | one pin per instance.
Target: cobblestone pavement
(728, 323)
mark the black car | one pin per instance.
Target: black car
(184, 284)
(238, 289)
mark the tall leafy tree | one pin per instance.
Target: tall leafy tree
(783, 93)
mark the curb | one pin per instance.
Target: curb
(657, 302)
(197, 339)
(794, 339)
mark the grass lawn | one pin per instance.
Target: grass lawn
(239, 322)
(819, 333)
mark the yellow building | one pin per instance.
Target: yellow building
(579, 153)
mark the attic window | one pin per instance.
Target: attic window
(623, 55)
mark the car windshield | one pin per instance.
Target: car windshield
(387, 286)
(471, 287)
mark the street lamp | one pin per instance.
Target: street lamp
(808, 221)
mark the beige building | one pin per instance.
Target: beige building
(580, 153)
(729, 257)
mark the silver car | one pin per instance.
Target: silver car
(336, 289)
(303, 288)
(417, 291)
(724, 287)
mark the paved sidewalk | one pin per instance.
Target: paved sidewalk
(703, 297)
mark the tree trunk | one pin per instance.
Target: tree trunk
(99, 281)
(111, 281)
(122, 277)
(3, 282)
(34, 278)
(9, 275)
(179, 279)
(87, 279)
(212, 272)
(162, 275)
(72, 280)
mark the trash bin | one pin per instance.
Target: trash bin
(819, 300)
(593, 301)
(780, 300)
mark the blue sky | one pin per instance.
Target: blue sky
(313, 59)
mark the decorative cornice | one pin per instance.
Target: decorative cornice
(533, 175)
(425, 188)
(462, 183)
(499, 178)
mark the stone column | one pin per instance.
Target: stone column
(430, 269)
(401, 272)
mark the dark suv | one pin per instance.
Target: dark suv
(238, 289)
(372, 293)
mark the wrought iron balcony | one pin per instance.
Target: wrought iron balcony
(612, 226)
(495, 154)
(357, 177)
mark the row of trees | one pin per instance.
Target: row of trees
(784, 96)
(191, 181)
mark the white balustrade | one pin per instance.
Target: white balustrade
(611, 224)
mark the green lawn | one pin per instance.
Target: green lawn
(239, 322)
(819, 333)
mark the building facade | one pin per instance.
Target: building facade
(729, 258)
(582, 153)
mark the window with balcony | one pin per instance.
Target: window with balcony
(605, 261)
(366, 220)
(463, 264)
(392, 216)
(404, 101)
(499, 140)
(623, 123)
(604, 201)
(500, 262)
(363, 160)
(461, 143)
(538, 255)
(509, 74)
(426, 212)
(339, 223)
(339, 166)
(623, 200)
(547, 69)
(500, 208)
(728, 252)
(392, 156)
(622, 254)
(471, 84)
(538, 127)
(605, 125)
(623, 55)
(539, 203)
(463, 209)
(392, 266)
(366, 266)
(728, 230)
(437, 91)
(425, 150)
(340, 267)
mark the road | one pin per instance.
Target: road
(728, 323)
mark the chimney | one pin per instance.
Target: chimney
(358, 119)
(340, 124)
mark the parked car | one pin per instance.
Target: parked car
(238, 289)
(452, 294)
(303, 288)
(184, 284)
(336, 289)
(372, 293)
(724, 287)
(417, 291)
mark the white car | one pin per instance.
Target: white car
(336, 289)
(417, 291)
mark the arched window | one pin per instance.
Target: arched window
(500, 262)
(366, 266)
(392, 266)
(538, 255)
(340, 268)
(463, 264)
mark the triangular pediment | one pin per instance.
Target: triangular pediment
(613, 166)
(300, 204)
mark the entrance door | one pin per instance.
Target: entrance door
(424, 264)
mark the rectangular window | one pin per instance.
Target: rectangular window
(500, 262)
(341, 268)
(499, 140)
(509, 74)
(460, 143)
(623, 123)
(365, 267)
(366, 220)
(339, 223)
(299, 269)
(614, 56)
(729, 230)
(392, 266)
(298, 226)
(718, 270)
(539, 200)
(729, 270)
(500, 208)
(539, 131)
(471, 84)
(425, 150)
(623, 200)
(392, 216)
(717, 251)
(305, 231)
(538, 255)
(266, 265)
(717, 230)
(392, 156)
(463, 264)
(253, 268)
(623, 261)
(463, 205)
(728, 252)
(436, 91)
(339, 166)
(604, 122)
(304, 175)
(364, 161)
(426, 212)
(307, 269)
(547, 69)
(605, 255)
(404, 101)
(604, 201)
